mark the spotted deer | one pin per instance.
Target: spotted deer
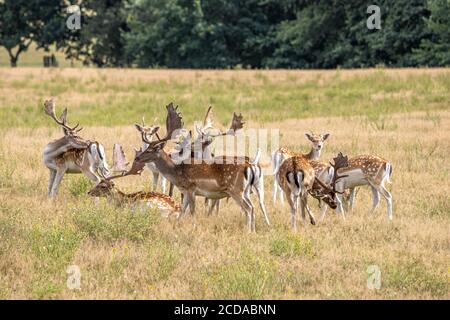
(165, 205)
(201, 147)
(317, 141)
(368, 170)
(297, 178)
(71, 153)
(233, 178)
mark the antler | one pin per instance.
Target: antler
(340, 161)
(236, 123)
(174, 121)
(49, 108)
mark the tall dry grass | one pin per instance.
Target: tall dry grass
(122, 254)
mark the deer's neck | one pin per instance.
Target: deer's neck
(166, 166)
(313, 154)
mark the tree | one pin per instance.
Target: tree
(435, 50)
(100, 41)
(23, 22)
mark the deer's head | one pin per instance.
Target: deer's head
(104, 188)
(317, 140)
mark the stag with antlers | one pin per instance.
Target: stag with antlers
(71, 153)
(211, 180)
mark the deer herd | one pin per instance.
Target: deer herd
(192, 167)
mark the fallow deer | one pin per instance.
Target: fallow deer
(71, 153)
(368, 170)
(317, 141)
(164, 204)
(201, 146)
(148, 131)
(297, 178)
(233, 178)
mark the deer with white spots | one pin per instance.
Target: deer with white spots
(164, 204)
(369, 170)
(279, 156)
(72, 154)
(234, 177)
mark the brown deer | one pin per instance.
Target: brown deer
(233, 179)
(317, 141)
(297, 178)
(71, 153)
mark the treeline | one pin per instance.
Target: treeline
(233, 33)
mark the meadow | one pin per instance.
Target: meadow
(402, 115)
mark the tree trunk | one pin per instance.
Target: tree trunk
(13, 62)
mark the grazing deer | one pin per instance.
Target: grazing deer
(233, 178)
(317, 141)
(297, 178)
(164, 204)
(72, 154)
(366, 170)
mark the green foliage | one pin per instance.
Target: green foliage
(79, 186)
(251, 277)
(23, 22)
(228, 34)
(435, 50)
(105, 221)
(290, 245)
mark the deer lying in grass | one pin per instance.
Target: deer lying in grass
(71, 153)
(296, 178)
(234, 178)
(317, 141)
(164, 204)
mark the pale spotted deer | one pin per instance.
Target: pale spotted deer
(164, 204)
(297, 178)
(71, 153)
(368, 170)
(317, 141)
(232, 178)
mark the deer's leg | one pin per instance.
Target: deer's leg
(191, 200)
(260, 194)
(171, 189)
(375, 198)
(184, 205)
(292, 200)
(58, 178)
(305, 207)
(51, 181)
(217, 207)
(387, 195)
(275, 189)
(163, 184)
(323, 209)
(351, 199)
(244, 208)
(155, 180)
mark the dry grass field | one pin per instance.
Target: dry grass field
(401, 115)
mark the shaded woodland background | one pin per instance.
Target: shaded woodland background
(231, 33)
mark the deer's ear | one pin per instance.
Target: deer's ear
(326, 136)
(139, 127)
(308, 136)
